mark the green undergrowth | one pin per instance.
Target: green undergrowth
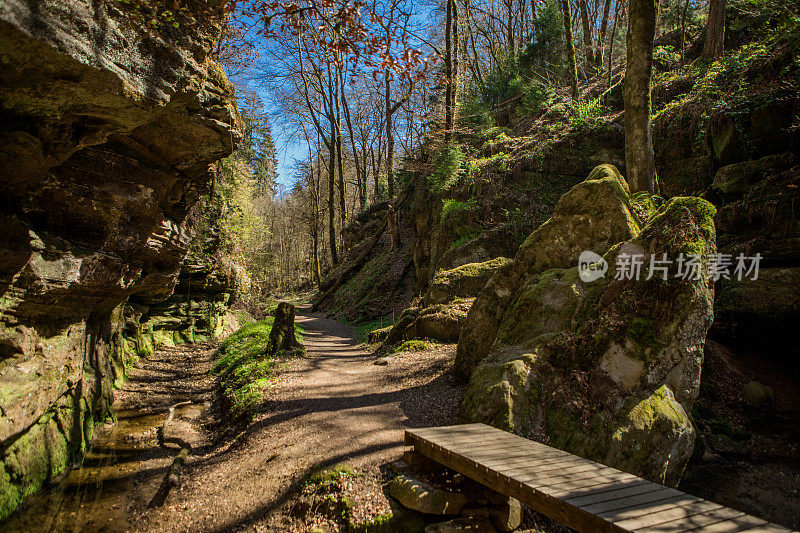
(586, 112)
(455, 211)
(323, 476)
(364, 328)
(447, 169)
(414, 345)
(244, 368)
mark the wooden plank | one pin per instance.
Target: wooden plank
(745, 522)
(643, 500)
(577, 492)
(525, 465)
(552, 476)
(615, 494)
(491, 449)
(581, 486)
(684, 518)
(618, 515)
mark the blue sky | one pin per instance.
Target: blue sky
(289, 147)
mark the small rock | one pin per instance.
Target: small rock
(475, 524)
(725, 444)
(422, 497)
(508, 515)
(757, 395)
(475, 511)
(399, 466)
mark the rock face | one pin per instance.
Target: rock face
(446, 303)
(573, 228)
(107, 135)
(605, 369)
(465, 281)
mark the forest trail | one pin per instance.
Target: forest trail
(332, 406)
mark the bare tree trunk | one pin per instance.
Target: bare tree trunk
(376, 173)
(389, 139)
(510, 28)
(456, 59)
(683, 30)
(570, 42)
(588, 50)
(715, 29)
(639, 159)
(617, 12)
(356, 160)
(331, 199)
(448, 67)
(598, 58)
(338, 127)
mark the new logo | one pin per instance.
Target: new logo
(591, 266)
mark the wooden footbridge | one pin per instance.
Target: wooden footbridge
(573, 491)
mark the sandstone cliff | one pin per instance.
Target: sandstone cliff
(107, 133)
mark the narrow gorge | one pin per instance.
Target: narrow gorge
(109, 137)
(256, 257)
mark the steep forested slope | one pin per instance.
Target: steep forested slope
(725, 130)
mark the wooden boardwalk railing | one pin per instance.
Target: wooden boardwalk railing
(576, 492)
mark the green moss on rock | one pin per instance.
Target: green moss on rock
(607, 368)
(464, 281)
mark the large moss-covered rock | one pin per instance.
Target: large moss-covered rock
(608, 368)
(593, 215)
(441, 322)
(465, 281)
(109, 127)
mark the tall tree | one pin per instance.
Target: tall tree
(449, 77)
(588, 50)
(570, 42)
(598, 56)
(618, 11)
(391, 109)
(639, 158)
(683, 30)
(715, 29)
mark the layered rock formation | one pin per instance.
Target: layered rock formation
(444, 305)
(606, 369)
(109, 125)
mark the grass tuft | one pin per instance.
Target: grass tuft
(245, 370)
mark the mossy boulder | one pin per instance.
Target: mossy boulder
(594, 215)
(733, 181)
(422, 497)
(465, 281)
(441, 322)
(378, 335)
(758, 395)
(606, 369)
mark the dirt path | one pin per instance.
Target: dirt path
(333, 406)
